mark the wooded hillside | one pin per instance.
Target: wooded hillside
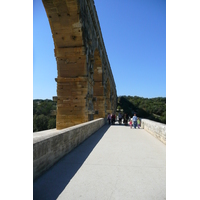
(44, 117)
(149, 108)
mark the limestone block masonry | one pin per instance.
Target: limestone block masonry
(51, 145)
(86, 87)
(157, 129)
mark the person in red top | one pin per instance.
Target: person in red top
(131, 123)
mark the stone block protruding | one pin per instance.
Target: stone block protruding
(55, 98)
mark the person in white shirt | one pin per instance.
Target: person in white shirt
(134, 120)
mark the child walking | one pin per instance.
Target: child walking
(131, 123)
(138, 122)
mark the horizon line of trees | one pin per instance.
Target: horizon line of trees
(149, 108)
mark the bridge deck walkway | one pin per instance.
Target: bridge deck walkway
(116, 162)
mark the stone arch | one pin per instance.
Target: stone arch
(98, 88)
(73, 95)
(108, 96)
(81, 86)
(113, 100)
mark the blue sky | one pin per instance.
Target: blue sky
(134, 33)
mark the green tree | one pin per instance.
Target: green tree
(40, 122)
(52, 123)
(42, 119)
(150, 108)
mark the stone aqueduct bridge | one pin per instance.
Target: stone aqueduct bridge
(86, 88)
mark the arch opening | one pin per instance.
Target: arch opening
(98, 88)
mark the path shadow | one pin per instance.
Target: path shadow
(50, 185)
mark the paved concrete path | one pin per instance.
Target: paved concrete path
(115, 163)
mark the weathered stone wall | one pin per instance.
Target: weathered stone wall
(50, 145)
(157, 129)
(84, 71)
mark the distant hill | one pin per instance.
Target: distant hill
(149, 108)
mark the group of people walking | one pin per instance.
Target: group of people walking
(133, 122)
(111, 118)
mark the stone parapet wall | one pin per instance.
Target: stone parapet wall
(51, 145)
(157, 129)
